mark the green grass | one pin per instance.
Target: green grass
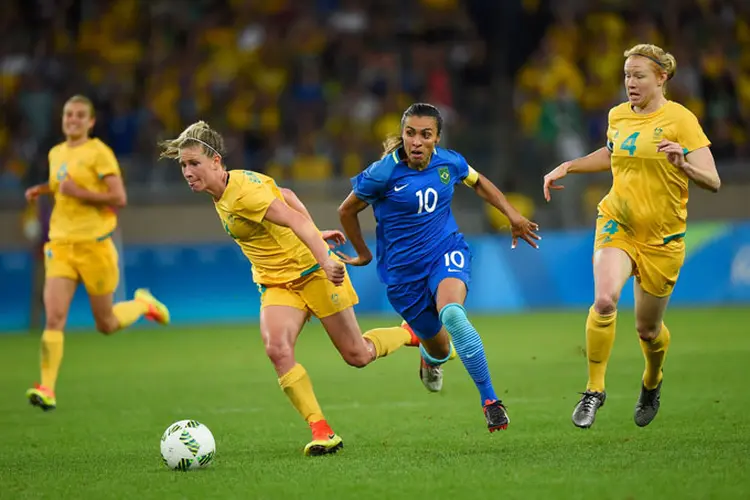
(117, 395)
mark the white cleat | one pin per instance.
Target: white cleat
(431, 376)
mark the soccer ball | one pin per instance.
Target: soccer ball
(186, 445)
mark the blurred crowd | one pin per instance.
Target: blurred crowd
(564, 90)
(300, 89)
(308, 90)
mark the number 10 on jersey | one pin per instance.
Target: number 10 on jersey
(428, 199)
(454, 259)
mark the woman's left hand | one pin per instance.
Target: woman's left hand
(675, 153)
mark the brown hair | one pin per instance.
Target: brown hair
(197, 134)
(663, 62)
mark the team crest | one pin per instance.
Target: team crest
(252, 176)
(62, 171)
(658, 132)
(445, 175)
(225, 223)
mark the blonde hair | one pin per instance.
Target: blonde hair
(79, 98)
(664, 61)
(199, 133)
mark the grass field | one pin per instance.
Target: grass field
(117, 395)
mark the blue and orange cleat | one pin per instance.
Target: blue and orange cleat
(324, 440)
(157, 311)
(496, 415)
(42, 397)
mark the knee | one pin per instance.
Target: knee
(106, 325)
(279, 352)
(55, 319)
(647, 330)
(358, 358)
(606, 303)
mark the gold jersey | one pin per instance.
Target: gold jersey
(87, 165)
(277, 255)
(649, 195)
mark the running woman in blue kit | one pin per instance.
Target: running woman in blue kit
(422, 257)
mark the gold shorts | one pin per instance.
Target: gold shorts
(655, 267)
(313, 293)
(93, 262)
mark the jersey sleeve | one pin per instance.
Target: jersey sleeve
(690, 134)
(50, 168)
(253, 202)
(472, 178)
(610, 139)
(370, 185)
(461, 165)
(106, 163)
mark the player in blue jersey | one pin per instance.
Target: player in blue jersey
(422, 257)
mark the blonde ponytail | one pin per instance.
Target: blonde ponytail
(664, 62)
(199, 133)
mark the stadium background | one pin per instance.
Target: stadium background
(306, 91)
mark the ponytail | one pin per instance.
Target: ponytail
(392, 143)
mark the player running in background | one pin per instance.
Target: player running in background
(296, 273)
(85, 180)
(654, 148)
(422, 257)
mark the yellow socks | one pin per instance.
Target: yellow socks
(388, 340)
(129, 312)
(52, 354)
(654, 351)
(298, 388)
(600, 336)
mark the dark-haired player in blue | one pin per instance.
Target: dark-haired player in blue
(422, 257)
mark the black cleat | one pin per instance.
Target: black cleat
(647, 406)
(496, 415)
(585, 411)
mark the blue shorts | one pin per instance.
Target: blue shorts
(415, 301)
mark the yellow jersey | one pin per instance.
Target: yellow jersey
(87, 165)
(275, 252)
(649, 195)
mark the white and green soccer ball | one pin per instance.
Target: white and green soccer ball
(187, 445)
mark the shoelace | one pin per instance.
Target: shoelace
(433, 372)
(495, 411)
(589, 401)
(651, 398)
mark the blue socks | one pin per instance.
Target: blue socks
(469, 347)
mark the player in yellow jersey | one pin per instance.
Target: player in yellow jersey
(296, 273)
(85, 180)
(654, 148)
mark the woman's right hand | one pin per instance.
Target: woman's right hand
(335, 271)
(34, 191)
(555, 175)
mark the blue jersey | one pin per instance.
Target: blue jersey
(412, 210)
